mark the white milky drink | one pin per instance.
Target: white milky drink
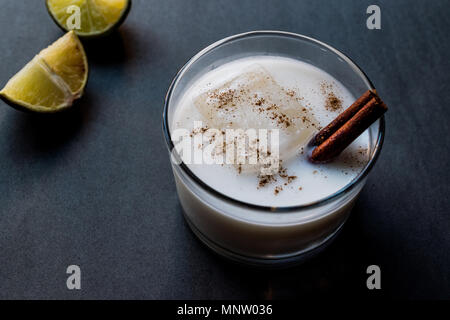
(254, 100)
(272, 93)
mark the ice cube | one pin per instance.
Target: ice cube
(254, 100)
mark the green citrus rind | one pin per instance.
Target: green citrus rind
(20, 105)
(93, 35)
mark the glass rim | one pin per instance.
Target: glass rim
(268, 209)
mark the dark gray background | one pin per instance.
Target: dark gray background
(94, 187)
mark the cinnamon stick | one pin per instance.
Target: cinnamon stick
(348, 126)
(344, 117)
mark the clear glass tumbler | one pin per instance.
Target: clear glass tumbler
(253, 234)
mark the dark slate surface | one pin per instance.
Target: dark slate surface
(94, 187)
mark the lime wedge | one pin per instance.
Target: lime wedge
(96, 17)
(52, 81)
(66, 57)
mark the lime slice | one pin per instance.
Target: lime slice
(53, 80)
(96, 17)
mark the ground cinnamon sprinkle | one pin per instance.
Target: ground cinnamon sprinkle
(265, 180)
(291, 178)
(277, 190)
(332, 102)
(290, 93)
(198, 130)
(227, 101)
(282, 173)
(224, 98)
(279, 117)
(260, 101)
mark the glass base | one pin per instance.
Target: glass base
(285, 261)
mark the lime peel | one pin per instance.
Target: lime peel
(97, 17)
(52, 80)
